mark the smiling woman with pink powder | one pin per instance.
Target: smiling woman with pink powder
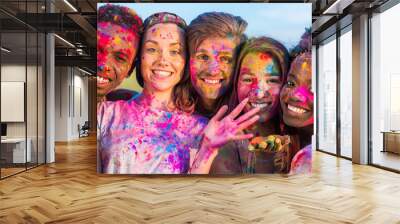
(297, 102)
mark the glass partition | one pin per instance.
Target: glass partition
(13, 103)
(22, 89)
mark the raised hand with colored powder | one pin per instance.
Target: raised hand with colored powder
(219, 131)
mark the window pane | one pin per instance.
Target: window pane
(346, 94)
(327, 97)
(385, 84)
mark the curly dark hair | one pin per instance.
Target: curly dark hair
(124, 17)
(304, 45)
(121, 16)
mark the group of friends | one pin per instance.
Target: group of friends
(213, 102)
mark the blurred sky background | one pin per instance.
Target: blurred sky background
(282, 21)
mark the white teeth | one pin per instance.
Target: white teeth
(212, 81)
(102, 80)
(296, 109)
(259, 105)
(162, 74)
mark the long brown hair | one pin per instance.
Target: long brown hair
(181, 96)
(265, 45)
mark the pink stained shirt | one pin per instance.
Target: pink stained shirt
(137, 139)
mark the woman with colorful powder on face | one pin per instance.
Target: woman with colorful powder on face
(155, 132)
(259, 76)
(297, 102)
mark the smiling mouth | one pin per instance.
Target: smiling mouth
(102, 80)
(212, 81)
(260, 105)
(297, 110)
(161, 74)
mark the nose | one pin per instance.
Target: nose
(102, 67)
(214, 68)
(299, 95)
(259, 90)
(163, 59)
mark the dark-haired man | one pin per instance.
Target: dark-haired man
(118, 36)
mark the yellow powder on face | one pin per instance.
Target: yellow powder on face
(117, 40)
(304, 66)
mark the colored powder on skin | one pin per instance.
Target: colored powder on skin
(193, 70)
(117, 40)
(269, 69)
(104, 40)
(214, 67)
(169, 148)
(304, 94)
(264, 57)
(254, 83)
(305, 66)
(244, 70)
(169, 35)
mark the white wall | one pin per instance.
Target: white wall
(71, 94)
(61, 103)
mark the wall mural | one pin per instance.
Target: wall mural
(224, 88)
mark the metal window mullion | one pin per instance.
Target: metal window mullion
(317, 98)
(369, 78)
(338, 94)
(26, 86)
(37, 90)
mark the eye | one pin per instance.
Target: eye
(247, 79)
(226, 59)
(202, 57)
(175, 52)
(290, 84)
(120, 56)
(151, 50)
(274, 81)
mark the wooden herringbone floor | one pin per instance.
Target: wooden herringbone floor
(70, 191)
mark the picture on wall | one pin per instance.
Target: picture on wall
(201, 88)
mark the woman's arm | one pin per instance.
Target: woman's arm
(219, 131)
